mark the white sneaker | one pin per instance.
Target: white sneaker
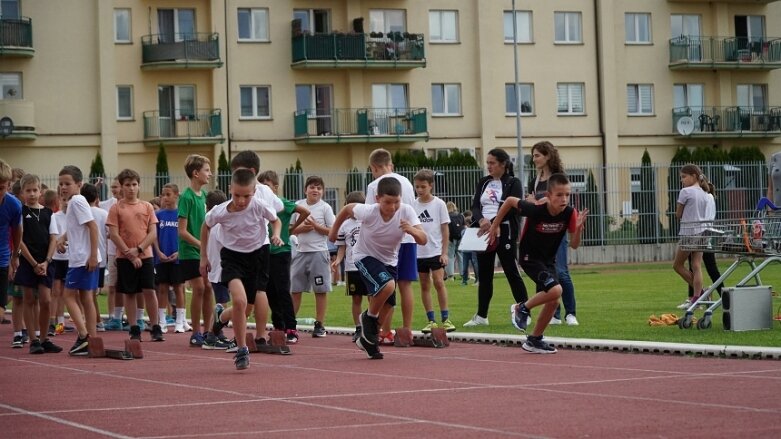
(164, 329)
(186, 326)
(477, 321)
(179, 328)
(554, 321)
(340, 283)
(571, 320)
(685, 304)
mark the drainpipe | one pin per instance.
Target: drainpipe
(601, 85)
(227, 83)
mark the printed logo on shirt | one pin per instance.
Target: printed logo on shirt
(28, 216)
(550, 227)
(425, 217)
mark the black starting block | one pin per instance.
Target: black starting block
(437, 339)
(277, 343)
(97, 350)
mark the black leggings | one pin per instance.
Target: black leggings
(278, 292)
(507, 252)
(709, 261)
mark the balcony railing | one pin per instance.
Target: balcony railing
(688, 52)
(727, 121)
(375, 49)
(16, 37)
(181, 50)
(361, 125)
(204, 126)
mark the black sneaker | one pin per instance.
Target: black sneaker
(241, 359)
(232, 346)
(292, 336)
(17, 342)
(519, 315)
(50, 348)
(319, 331)
(25, 337)
(52, 330)
(218, 325)
(35, 347)
(537, 345)
(370, 329)
(157, 333)
(135, 332)
(357, 334)
(372, 350)
(80, 347)
(213, 343)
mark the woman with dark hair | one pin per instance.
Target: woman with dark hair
(490, 193)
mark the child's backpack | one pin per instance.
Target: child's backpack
(456, 226)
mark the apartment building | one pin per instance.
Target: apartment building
(327, 81)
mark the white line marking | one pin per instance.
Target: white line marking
(64, 422)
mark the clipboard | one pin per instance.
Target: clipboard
(470, 242)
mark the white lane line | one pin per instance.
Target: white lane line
(64, 422)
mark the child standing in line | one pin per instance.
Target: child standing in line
(692, 211)
(90, 193)
(432, 257)
(133, 228)
(243, 233)
(545, 227)
(35, 270)
(115, 302)
(311, 268)
(386, 222)
(346, 239)
(82, 239)
(15, 290)
(60, 263)
(468, 257)
(167, 250)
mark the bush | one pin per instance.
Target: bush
(161, 170)
(223, 172)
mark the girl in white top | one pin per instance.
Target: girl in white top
(691, 210)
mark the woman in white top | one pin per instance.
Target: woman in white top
(708, 258)
(691, 210)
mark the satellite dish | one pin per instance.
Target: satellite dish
(6, 126)
(685, 126)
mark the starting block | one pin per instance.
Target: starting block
(132, 350)
(403, 338)
(277, 343)
(437, 339)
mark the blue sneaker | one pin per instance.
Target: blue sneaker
(241, 359)
(196, 340)
(519, 316)
(114, 325)
(170, 320)
(141, 324)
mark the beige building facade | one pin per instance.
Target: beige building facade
(294, 79)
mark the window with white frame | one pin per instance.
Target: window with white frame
(255, 101)
(122, 26)
(752, 96)
(124, 102)
(523, 20)
(568, 27)
(640, 99)
(637, 27)
(569, 98)
(253, 24)
(386, 96)
(387, 20)
(446, 99)
(527, 99)
(12, 85)
(175, 25)
(313, 21)
(443, 26)
(10, 9)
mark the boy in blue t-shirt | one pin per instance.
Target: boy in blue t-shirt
(10, 224)
(167, 252)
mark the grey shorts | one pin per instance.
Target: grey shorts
(311, 271)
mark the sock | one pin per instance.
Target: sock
(18, 334)
(161, 316)
(430, 316)
(60, 319)
(179, 316)
(445, 314)
(139, 314)
(37, 334)
(118, 310)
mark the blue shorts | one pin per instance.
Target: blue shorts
(375, 275)
(408, 262)
(78, 278)
(221, 293)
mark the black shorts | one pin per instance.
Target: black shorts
(427, 265)
(101, 277)
(242, 266)
(131, 280)
(3, 288)
(261, 282)
(355, 285)
(168, 273)
(26, 277)
(221, 293)
(543, 274)
(60, 269)
(189, 269)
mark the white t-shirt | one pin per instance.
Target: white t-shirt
(710, 211)
(313, 241)
(213, 247)
(100, 219)
(407, 195)
(59, 218)
(348, 237)
(111, 248)
(491, 198)
(431, 215)
(243, 231)
(380, 239)
(79, 213)
(265, 194)
(695, 206)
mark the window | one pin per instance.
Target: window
(569, 98)
(527, 99)
(253, 24)
(752, 96)
(446, 99)
(389, 96)
(523, 21)
(9, 9)
(750, 27)
(176, 25)
(387, 20)
(177, 101)
(124, 102)
(640, 99)
(122, 26)
(255, 102)
(637, 27)
(684, 25)
(313, 21)
(688, 95)
(567, 27)
(443, 26)
(317, 101)
(12, 85)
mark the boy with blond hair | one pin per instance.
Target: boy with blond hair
(10, 224)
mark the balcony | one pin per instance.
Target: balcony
(22, 113)
(720, 122)
(745, 2)
(16, 37)
(394, 50)
(181, 51)
(730, 53)
(361, 125)
(204, 127)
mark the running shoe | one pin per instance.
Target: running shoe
(17, 342)
(519, 316)
(80, 348)
(100, 327)
(52, 331)
(196, 340)
(429, 326)
(370, 330)
(319, 330)
(292, 336)
(554, 321)
(448, 326)
(157, 333)
(372, 350)
(387, 338)
(571, 320)
(241, 359)
(211, 342)
(232, 346)
(357, 333)
(35, 347)
(537, 345)
(135, 332)
(476, 321)
(50, 348)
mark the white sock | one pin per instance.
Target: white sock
(139, 314)
(18, 334)
(180, 316)
(118, 310)
(37, 334)
(161, 316)
(61, 319)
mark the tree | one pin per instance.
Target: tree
(161, 170)
(293, 185)
(646, 203)
(223, 172)
(96, 170)
(593, 233)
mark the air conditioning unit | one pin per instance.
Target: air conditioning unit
(747, 308)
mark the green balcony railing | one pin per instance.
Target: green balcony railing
(725, 52)
(372, 49)
(727, 121)
(184, 49)
(361, 125)
(16, 36)
(200, 126)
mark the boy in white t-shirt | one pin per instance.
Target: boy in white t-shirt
(243, 232)
(345, 242)
(386, 222)
(432, 257)
(60, 263)
(90, 193)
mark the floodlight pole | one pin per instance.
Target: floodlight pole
(518, 137)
